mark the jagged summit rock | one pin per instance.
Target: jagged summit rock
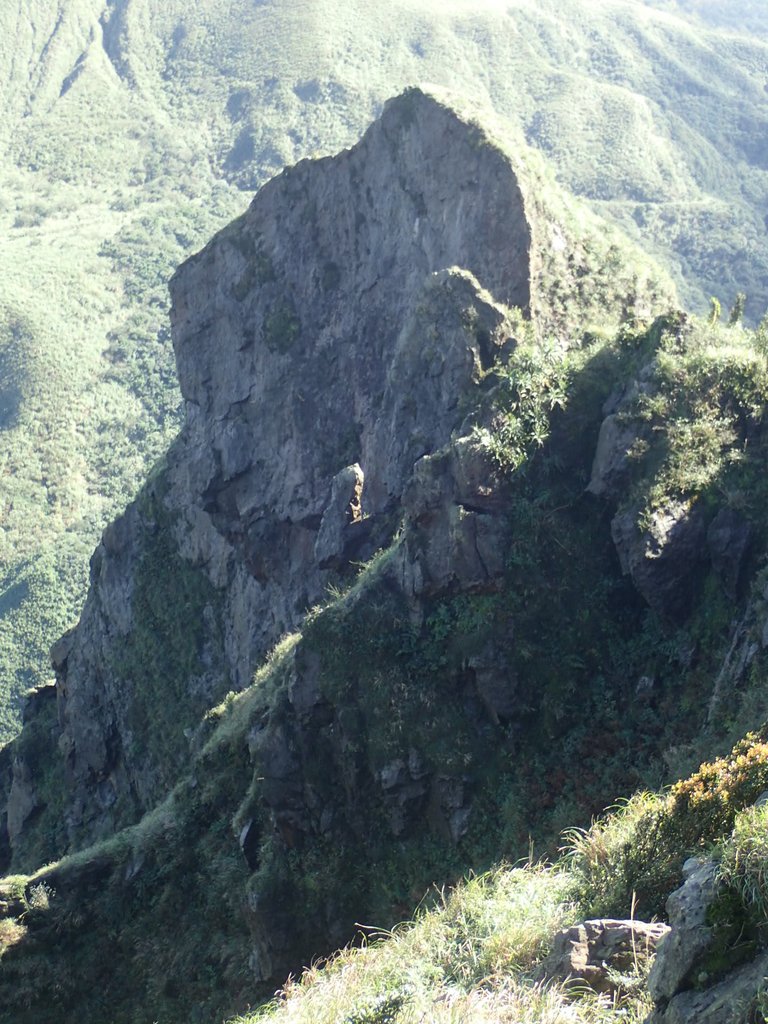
(330, 338)
(305, 333)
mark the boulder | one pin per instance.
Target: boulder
(730, 1000)
(664, 559)
(681, 981)
(597, 953)
(343, 509)
(690, 935)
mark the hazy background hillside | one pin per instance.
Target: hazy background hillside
(132, 129)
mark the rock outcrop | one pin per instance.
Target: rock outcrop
(668, 532)
(700, 976)
(346, 353)
(330, 344)
(602, 953)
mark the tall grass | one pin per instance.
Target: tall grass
(470, 959)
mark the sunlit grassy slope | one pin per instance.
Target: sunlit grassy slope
(131, 129)
(475, 956)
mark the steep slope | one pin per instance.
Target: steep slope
(525, 943)
(328, 340)
(562, 525)
(132, 127)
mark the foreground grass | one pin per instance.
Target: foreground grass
(475, 956)
(472, 958)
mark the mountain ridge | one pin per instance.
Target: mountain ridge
(112, 180)
(557, 518)
(300, 332)
(257, 512)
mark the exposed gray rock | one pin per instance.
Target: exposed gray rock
(450, 807)
(664, 559)
(725, 1003)
(304, 686)
(679, 981)
(738, 657)
(598, 952)
(495, 684)
(458, 537)
(612, 463)
(342, 322)
(728, 538)
(22, 800)
(250, 839)
(644, 687)
(405, 791)
(342, 326)
(343, 510)
(690, 935)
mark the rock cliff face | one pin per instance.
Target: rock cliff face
(373, 363)
(327, 341)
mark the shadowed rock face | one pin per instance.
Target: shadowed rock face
(342, 322)
(330, 346)
(298, 329)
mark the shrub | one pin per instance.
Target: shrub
(744, 865)
(633, 857)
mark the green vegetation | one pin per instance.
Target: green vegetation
(131, 139)
(633, 857)
(282, 328)
(703, 405)
(567, 640)
(605, 696)
(565, 632)
(469, 958)
(171, 658)
(40, 598)
(744, 864)
(473, 956)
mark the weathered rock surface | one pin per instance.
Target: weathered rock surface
(326, 342)
(599, 952)
(690, 935)
(729, 537)
(664, 559)
(331, 345)
(612, 462)
(732, 999)
(681, 982)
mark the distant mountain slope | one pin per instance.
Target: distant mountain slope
(131, 128)
(736, 15)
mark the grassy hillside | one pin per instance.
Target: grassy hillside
(217, 891)
(474, 955)
(747, 16)
(132, 129)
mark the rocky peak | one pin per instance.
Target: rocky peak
(305, 333)
(326, 341)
